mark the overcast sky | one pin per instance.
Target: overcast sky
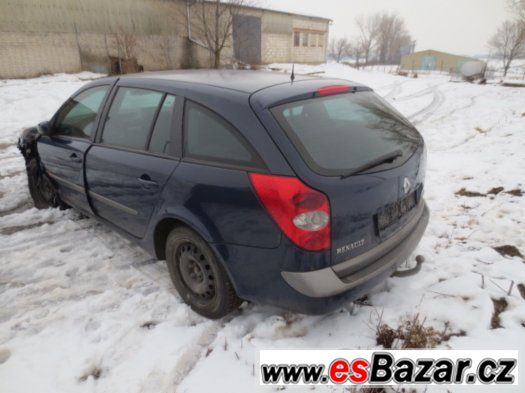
(456, 26)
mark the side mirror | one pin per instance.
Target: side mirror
(44, 128)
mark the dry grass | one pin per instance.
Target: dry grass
(508, 250)
(516, 192)
(500, 305)
(412, 333)
(471, 194)
(95, 372)
(521, 288)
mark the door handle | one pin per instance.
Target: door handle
(73, 157)
(146, 182)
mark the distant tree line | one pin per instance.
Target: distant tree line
(509, 41)
(383, 38)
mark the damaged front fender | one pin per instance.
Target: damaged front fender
(27, 143)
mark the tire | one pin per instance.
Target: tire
(198, 276)
(41, 188)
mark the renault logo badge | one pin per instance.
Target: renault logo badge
(406, 185)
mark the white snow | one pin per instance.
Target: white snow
(77, 299)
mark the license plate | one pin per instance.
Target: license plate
(393, 212)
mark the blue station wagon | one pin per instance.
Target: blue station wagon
(303, 193)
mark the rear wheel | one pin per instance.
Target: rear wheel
(198, 276)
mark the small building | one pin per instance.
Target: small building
(50, 36)
(433, 60)
(264, 36)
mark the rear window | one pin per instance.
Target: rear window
(210, 138)
(341, 133)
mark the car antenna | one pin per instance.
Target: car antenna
(292, 77)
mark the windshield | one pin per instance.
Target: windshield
(338, 134)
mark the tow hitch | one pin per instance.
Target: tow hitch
(407, 269)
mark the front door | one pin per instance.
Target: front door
(132, 160)
(64, 151)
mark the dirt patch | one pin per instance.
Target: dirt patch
(481, 130)
(508, 251)
(95, 372)
(19, 228)
(412, 333)
(148, 325)
(471, 194)
(521, 288)
(495, 190)
(500, 305)
(516, 192)
(21, 207)
(4, 146)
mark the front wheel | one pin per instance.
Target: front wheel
(198, 276)
(41, 188)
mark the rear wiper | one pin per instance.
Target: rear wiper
(388, 157)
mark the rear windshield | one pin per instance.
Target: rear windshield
(339, 134)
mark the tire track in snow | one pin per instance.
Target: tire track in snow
(397, 88)
(430, 89)
(423, 114)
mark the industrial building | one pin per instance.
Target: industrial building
(432, 60)
(50, 36)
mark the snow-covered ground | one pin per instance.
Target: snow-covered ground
(83, 310)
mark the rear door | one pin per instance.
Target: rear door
(62, 153)
(134, 156)
(364, 156)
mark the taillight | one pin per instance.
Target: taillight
(303, 214)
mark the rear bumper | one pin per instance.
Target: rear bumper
(357, 271)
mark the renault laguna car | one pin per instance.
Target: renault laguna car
(253, 186)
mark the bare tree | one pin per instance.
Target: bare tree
(126, 44)
(517, 7)
(509, 42)
(211, 23)
(338, 48)
(368, 26)
(392, 38)
(356, 50)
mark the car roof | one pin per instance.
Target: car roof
(247, 81)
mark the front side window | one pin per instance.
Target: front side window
(338, 134)
(77, 118)
(131, 117)
(209, 137)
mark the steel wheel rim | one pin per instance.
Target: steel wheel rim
(196, 271)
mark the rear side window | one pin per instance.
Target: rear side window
(161, 137)
(340, 133)
(209, 137)
(77, 117)
(131, 117)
